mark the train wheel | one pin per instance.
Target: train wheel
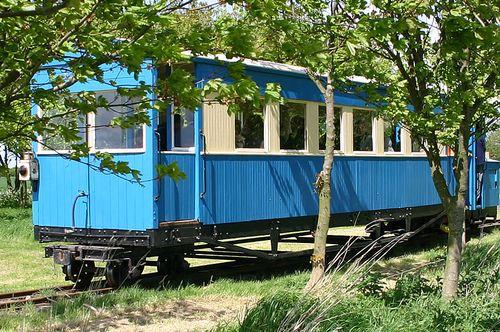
(81, 273)
(170, 264)
(136, 269)
(116, 273)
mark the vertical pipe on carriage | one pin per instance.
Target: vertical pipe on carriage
(198, 167)
(472, 172)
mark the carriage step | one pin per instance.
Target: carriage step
(179, 223)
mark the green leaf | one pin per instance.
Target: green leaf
(171, 170)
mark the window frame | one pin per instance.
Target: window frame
(91, 136)
(417, 153)
(40, 150)
(92, 128)
(373, 151)
(305, 150)
(174, 148)
(264, 138)
(395, 153)
(341, 127)
(171, 146)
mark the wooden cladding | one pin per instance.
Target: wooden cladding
(219, 128)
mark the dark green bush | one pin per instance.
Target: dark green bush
(14, 199)
(372, 284)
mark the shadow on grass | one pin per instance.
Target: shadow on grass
(181, 313)
(265, 270)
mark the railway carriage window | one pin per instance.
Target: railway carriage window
(183, 122)
(292, 126)
(362, 130)
(250, 129)
(162, 130)
(76, 133)
(181, 128)
(392, 137)
(322, 127)
(108, 136)
(415, 146)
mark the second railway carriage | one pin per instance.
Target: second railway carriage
(246, 175)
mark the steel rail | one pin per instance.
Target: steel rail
(37, 296)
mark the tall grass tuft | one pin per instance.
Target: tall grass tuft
(353, 297)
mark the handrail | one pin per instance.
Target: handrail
(80, 195)
(203, 192)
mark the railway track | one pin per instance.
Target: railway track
(252, 267)
(44, 296)
(199, 274)
(195, 275)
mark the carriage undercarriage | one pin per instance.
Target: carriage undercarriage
(121, 257)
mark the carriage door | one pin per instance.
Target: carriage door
(490, 186)
(117, 201)
(80, 208)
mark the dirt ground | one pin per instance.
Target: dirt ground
(196, 314)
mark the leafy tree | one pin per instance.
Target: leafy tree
(493, 144)
(443, 60)
(317, 35)
(78, 40)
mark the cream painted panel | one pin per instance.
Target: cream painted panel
(219, 127)
(312, 127)
(272, 127)
(346, 141)
(378, 134)
(405, 141)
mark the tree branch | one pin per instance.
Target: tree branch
(316, 80)
(42, 11)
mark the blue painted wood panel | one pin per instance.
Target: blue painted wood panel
(60, 182)
(491, 190)
(239, 188)
(111, 72)
(177, 198)
(253, 187)
(119, 204)
(293, 85)
(112, 202)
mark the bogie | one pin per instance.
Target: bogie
(80, 272)
(171, 264)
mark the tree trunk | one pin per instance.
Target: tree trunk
(323, 188)
(4, 163)
(456, 221)
(17, 182)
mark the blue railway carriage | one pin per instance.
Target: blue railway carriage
(247, 175)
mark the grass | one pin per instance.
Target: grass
(79, 311)
(372, 305)
(3, 183)
(21, 257)
(382, 300)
